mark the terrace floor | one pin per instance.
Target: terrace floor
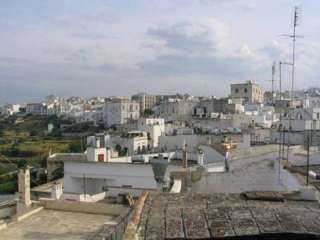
(228, 216)
(52, 225)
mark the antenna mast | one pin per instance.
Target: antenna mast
(272, 81)
(293, 36)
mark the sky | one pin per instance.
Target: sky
(110, 47)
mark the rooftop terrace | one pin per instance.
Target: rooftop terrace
(228, 216)
(51, 225)
(51, 220)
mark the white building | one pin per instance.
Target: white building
(10, 109)
(251, 92)
(206, 108)
(155, 127)
(261, 115)
(36, 108)
(311, 102)
(121, 111)
(96, 174)
(97, 148)
(302, 119)
(92, 181)
(146, 101)
(133, 142)
(88, 116)
(175, 110)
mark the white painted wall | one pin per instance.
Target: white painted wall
(211, 155)
(92, 177)
(92, 154)
(155, 127)
(119, 112)
(132, 144)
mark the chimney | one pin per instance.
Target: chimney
(56, 191)
(200, 157)
(184, 155)
(24, 189)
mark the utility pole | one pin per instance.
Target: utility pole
(282, 136)
(288, 134)
(283, 141)
(272, 81)
(309, 143)
(280, 146)
(308, 156)
(280, 118)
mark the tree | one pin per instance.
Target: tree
(56, 133)
(22, 163)
(118, 148)
(148, 113)
(76, 147)
(33, 133)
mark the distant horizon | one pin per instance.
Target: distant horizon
(41, 99)
(105, 48)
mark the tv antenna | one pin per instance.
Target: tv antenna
(293, 36)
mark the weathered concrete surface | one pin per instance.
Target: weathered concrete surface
(50, 224)
(224, 216)
(85, 207)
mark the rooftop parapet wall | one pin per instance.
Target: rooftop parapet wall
(84, 207)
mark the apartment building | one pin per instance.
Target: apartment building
(205, 108)
(146, 101)
(249, 91)
(121, 111)
(261, 115)
(155, 127)
(175, 110)
(302, 119)
(36, 108)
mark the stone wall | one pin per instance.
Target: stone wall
(84, 207)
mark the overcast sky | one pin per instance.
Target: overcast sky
(105, 48)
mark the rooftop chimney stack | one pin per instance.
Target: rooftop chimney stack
(184, 155)
(24, 189)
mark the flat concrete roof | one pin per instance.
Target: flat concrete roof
(259, 215)
(52, 225)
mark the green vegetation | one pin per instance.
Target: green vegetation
(148, 113)
(25, 140)
(8, 187)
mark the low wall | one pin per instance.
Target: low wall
(253, 151)
(85, 207)
(83, 197)
(7, 212)
(117, 231)
(258, 150)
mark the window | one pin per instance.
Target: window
(245, 90)
(236, 90)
